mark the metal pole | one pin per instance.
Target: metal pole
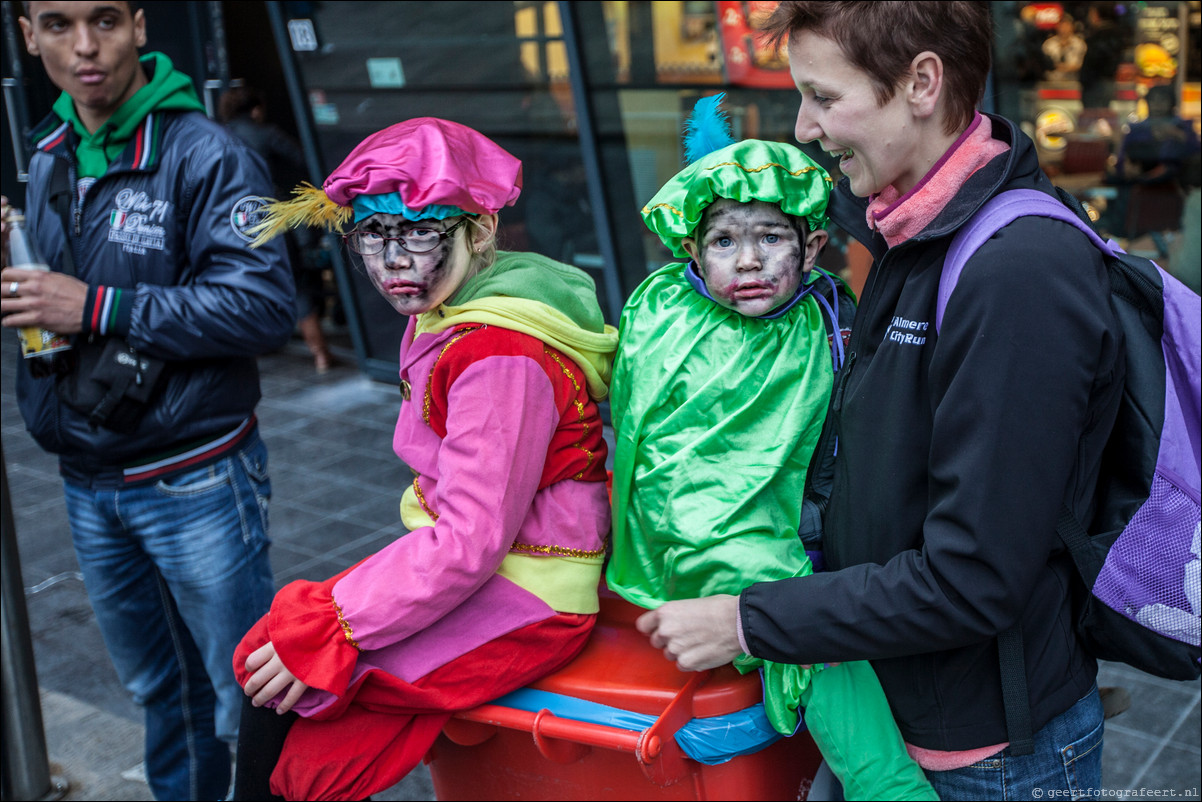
(218, 67)
(307, 129)
(589, 151)
(221, 56)
(14, 93)
(26, 765)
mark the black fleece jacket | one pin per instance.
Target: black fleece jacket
(956, 451)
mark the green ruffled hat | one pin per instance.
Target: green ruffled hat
(751, 170)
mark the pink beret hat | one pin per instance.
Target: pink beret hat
(421, 168)
(429, 161)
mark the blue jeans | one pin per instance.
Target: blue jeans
(1067, 762)
(177, 572)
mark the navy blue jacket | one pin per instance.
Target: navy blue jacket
(956, 451)
(167, 224)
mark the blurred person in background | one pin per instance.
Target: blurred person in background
(244, 112)
(1066, 50)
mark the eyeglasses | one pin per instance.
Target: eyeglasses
(419, 239)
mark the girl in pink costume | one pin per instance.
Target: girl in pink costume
(495, 585)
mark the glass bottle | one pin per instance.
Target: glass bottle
(35, 341)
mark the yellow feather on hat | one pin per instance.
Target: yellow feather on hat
(308, 206)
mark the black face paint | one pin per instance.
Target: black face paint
(443, 254)
(750, 256)
(414, 283)
(797, 256)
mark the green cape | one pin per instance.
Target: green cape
(715, 416)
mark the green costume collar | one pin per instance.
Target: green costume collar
(537, 278)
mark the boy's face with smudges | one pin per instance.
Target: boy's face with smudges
(751, 255)
(414, 283)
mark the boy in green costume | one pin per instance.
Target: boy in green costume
(720, 388)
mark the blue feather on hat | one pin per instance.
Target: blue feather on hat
(707, 128)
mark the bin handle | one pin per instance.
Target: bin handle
(547, 725)
(557, 750)
(659, 755)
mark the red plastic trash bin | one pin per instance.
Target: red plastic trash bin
(498, 752)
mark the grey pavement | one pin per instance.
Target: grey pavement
(336, 486)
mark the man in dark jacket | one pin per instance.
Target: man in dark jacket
(169, 515)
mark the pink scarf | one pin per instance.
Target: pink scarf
(899, 217)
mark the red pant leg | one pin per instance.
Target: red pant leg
(383, 725)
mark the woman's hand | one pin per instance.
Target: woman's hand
(695, 633)
(269, 677)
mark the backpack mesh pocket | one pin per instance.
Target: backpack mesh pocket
(1151, 574)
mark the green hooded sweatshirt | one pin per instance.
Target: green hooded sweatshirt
(169, 89)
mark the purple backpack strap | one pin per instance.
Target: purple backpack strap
(996, 214)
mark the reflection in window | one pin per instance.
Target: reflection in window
(1099, 87)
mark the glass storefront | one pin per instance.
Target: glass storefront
(593, 96)
(1109, 92)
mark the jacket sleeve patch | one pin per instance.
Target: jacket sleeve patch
(246, 214)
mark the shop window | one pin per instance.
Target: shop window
(1109, 93)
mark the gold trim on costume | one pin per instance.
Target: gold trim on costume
(794, 173)
(579, 411)
(346, 627)
(668, 206)
(558, 551)
(421, 499)
(680, 214)
(427, 400)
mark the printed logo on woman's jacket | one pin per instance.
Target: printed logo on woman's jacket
(907, 332)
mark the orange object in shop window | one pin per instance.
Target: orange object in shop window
(1072, 93)
(859, 261)
(1043, 16)
(498, 752)
(1085, 154)
(748, 61)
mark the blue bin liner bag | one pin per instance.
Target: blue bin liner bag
(711, 740)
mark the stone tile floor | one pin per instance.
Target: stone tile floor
(335, 492)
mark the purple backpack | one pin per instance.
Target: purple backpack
(1140, 555)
